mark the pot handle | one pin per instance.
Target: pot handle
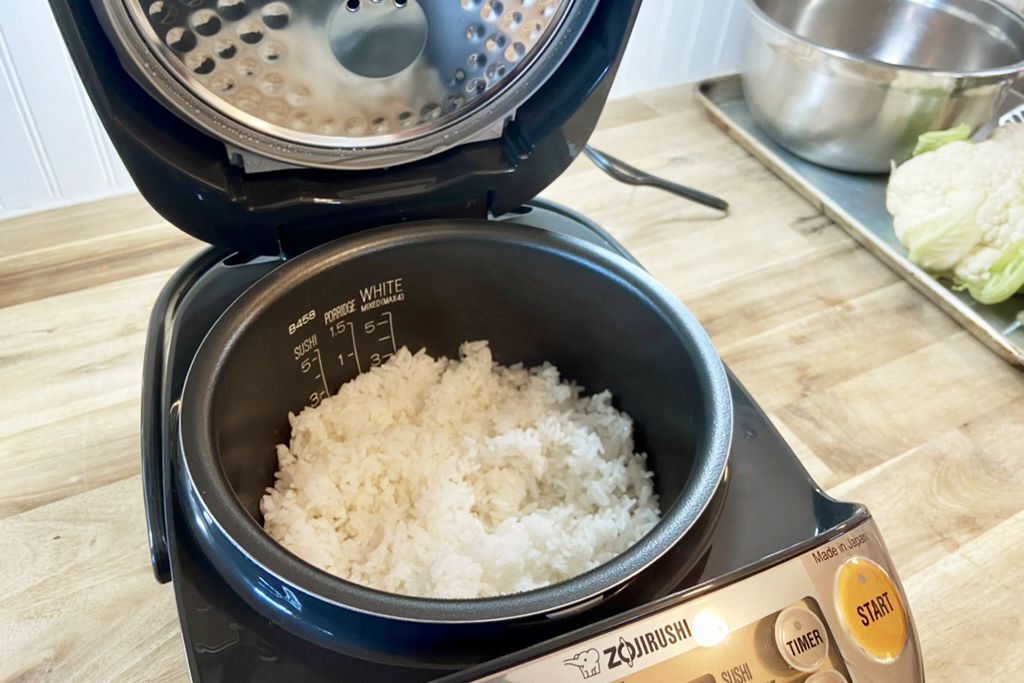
(159, 434)
(155, 488)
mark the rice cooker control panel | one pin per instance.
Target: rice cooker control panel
(836, 614)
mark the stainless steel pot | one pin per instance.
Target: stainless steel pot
(850, 84)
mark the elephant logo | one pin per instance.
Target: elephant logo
(587, 661)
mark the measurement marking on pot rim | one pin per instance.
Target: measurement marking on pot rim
(340, 311)
(304, 353)
(355, 349)
(391, 332)
(381, 294)
(322, 377)
(375, 342)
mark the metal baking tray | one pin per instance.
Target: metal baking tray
(857, 203)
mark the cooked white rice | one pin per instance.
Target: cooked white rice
(459, 479)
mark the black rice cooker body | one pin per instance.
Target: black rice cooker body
(536, 296)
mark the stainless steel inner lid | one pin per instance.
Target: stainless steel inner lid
(347, 83)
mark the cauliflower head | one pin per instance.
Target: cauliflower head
(959, 211)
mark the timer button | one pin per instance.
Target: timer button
(801, 638)
(869, 606)
(827, 677)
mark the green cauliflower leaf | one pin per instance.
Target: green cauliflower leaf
(932, 140)
(1005, 279)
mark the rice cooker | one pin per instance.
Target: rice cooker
(366, 173)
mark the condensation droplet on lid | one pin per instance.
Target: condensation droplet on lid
(477, 60)
(223, 83)
(328, 126)
(276, 15)
(470, 4)
(379, 125)
(248, 99)
(301, 120)
(233, 10)
(297, 96)
(476, 86)
(514, 52)
(355, 126)
(250, 32)
(275, 111)
(224, 48)
(429, 112)
(162, 12)
(475, 32)
(271, 51)
(456, 77)
(248, 67)
(180, 39)
(495, 42)
(405, 119)
(205, 22)
(491, 10)
(453, 101)
(200, 63)
(272, 84)
(512, 21)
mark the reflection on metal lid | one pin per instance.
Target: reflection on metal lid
(347, 73)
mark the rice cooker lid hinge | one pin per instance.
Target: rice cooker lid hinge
(306, 233)
(309, 208)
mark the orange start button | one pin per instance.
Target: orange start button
(871, 610)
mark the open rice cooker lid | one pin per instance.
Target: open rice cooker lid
(274, 125)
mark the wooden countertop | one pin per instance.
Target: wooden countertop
(886, 400)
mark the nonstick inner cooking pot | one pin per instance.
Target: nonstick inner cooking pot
(319, 319)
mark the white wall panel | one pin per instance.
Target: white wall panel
(677, 41)
(53, 150)
(25, 178)
(52, 146)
